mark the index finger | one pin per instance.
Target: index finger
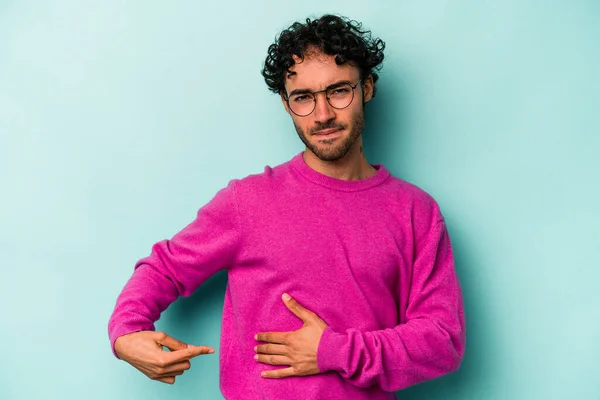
(272, 337)
(187, 354)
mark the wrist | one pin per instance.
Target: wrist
(331, 350)
(120, 332)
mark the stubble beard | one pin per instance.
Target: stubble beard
(324, 150)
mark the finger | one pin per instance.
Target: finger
(174, 369)
(170, 342)
(279, 373)
(295, 307)
(170, 374)
(271, 349)
(272, 359)
(272, 337)
(169, 380)
(190, 352)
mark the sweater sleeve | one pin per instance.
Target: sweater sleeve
(429, 343)
(177, 267)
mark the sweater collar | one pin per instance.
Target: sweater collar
(307, 172)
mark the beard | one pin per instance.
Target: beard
(325, 150)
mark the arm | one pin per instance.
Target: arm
(429, 344)
(177, 267)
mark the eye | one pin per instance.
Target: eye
(339, 92)
(302, 98)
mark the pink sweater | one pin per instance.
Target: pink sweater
(372, 258)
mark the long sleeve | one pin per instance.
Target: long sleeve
(429, 343)
(177, 267)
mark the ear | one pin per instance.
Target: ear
(368, 85)
(285, 104)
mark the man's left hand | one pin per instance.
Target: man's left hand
(297, 349)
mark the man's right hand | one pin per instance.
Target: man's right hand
(144, 350)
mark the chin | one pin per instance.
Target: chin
(329, 153)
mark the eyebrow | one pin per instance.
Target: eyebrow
(332, 86)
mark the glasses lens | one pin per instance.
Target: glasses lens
(340, 96)
(302, 104)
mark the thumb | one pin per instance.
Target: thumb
(171, 343)
(182, 351)
(296, 308)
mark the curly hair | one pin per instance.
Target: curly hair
(330, 34)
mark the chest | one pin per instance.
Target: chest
(330, 241)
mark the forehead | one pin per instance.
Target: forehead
(317, 71)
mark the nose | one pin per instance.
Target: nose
(323, 111)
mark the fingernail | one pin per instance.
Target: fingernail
(255, 349)
(263, 373)
(286, 297)
(211, 351)
(256, 356)
(255, 337)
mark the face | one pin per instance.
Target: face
(327, 132)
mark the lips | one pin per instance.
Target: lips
(326, 132)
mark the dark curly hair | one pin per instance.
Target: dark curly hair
(330, 34)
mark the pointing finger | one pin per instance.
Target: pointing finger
(194, 351)
(190, 352)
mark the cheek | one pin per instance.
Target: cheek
(303, 123)
(299, 125)
(350, 117)
(358, 112)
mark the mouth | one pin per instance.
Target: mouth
(326, 132)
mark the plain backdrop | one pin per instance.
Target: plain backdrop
(119, 119)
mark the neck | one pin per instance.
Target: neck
(352, 167)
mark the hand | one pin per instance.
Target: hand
(144, 351)
(298, 349)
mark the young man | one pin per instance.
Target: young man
(341, 277)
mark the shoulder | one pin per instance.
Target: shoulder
(413, 200)
(410, 192)
(263, 183)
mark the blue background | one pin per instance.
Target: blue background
(118, 120)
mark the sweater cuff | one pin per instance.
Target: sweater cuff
(122, 330)
(330, 353)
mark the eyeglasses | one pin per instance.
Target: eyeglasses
(339, 96)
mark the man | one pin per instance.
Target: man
(341, 283)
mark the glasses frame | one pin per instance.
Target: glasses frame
(314, 95)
